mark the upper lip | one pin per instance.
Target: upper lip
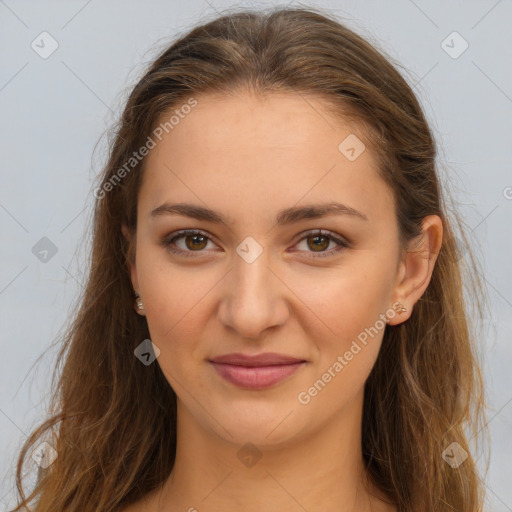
(266, 359)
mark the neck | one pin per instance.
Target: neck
(321, 471)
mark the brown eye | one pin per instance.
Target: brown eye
(187, 242)
(319, 242)
(195, 241)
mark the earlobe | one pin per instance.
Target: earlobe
(139, 306)
(416, 270)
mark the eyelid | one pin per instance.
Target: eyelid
(319, 231)
(342, 242)
(168, 240)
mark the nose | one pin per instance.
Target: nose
(254, 298)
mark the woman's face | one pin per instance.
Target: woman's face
(263, 281)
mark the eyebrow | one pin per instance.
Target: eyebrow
(284, 217)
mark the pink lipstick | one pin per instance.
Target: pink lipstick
(256, 372)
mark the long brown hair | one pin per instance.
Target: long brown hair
(425, 391)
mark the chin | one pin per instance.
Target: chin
(261, 428)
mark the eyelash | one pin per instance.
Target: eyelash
(169, 240)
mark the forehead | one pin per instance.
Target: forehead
(257, 151)
(273, 120)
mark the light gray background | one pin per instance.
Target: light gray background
(54, 110)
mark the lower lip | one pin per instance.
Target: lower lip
(256, 377)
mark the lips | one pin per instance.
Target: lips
(256, 372)
(266, 359)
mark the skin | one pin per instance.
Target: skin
(248, 157)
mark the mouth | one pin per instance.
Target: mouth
(256, 372)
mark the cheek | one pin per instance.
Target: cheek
(175, 314)
(172, 294)
(352, 310)
(177, 310)
(347, 354)
(349, 301)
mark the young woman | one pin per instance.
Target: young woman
(274, 317)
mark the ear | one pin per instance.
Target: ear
(415, 271)
(130, 256)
